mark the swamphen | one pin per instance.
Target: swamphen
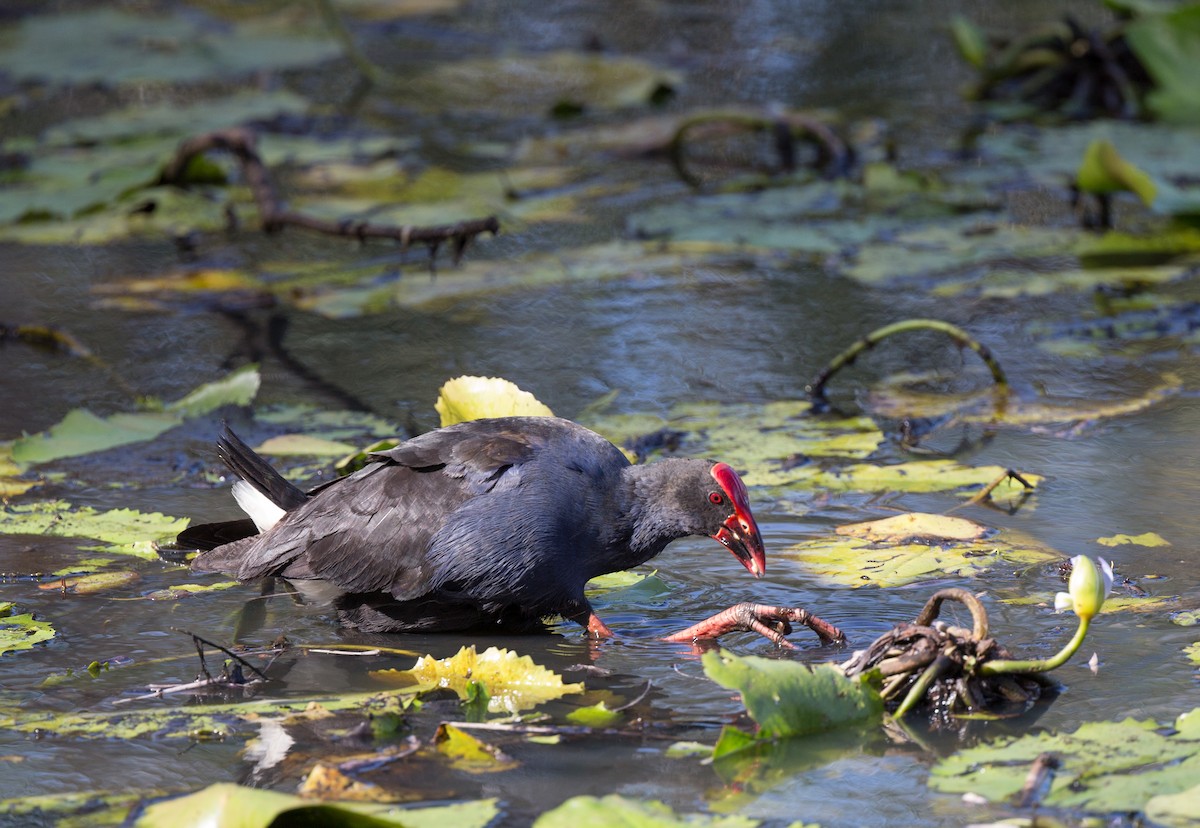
(489, 523)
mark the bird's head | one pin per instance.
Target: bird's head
(730, 521)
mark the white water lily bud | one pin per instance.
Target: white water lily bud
(1088, 587)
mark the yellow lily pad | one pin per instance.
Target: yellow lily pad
(513, 681)
(21, 632)
(474, 398)
(1144, 539)
(304, 445)
(466, 753)
(119, 530)
(91, 584)
(917, 525)
(858, 562)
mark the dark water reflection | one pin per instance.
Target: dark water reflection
(753, 332)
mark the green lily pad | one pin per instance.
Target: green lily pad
(65, 809)
(197, 722)
(304, 445)
(598, 715)
(513, 682)
(113, 47)
(859, 562)
(1144, 539)
(540, 82)
(226, 805)
(613, 811)
(82, 432)
(467, 753)
(1175, 810)
(787, 698)
(92, 584)
(21, 632)
(123, 531)
(184, 590)
(1104, 766)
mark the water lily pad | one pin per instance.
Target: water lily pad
(513, 681)
(92, 584)
(859, 562)
(917, 525)
(110, 46)
(1104, 766)
(616, 810)
(123, 531)
(467, 753)
(82, 432)
(21, 632)
(1167, 45)
(225, 805)
(1144, 539)
(64, 809)
(541, 82)
(474, 398)
(597, 715)
(788, 698)
(184, 590)
(304, 445)
(196, 722)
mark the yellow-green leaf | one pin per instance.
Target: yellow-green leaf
(513, 681)
(1104, 171)
(469, 754)
(474, 398)
(1144, 539)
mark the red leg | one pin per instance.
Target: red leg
(770, 622)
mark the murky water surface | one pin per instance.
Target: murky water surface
(755, 332)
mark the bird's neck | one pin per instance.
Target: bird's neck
(651, 518)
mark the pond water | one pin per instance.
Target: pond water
(752, 327)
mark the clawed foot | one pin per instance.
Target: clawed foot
(773, 623)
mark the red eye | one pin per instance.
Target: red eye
(715, 498)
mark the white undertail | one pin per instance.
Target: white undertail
(257, 505)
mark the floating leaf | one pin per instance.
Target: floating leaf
(64, 809)
(527, 83)
(82, 432)
(466, 753)
(788, 698)
(226, 805)
(1144, 539)
(513, 681)
(859, 562)
(184, 590)
(195, 722)
(21, 632)
(615, 811)
(92, 584)
(111, 46)
(326, 782)
(304, 445)
(598, 715)
(1104, 766)
(971, 43)
(120, 530)
(914, 525)
(474, 398)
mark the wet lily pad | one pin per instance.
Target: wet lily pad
(122, 531)
(226, 805)
(467, 753)
(21, 632)
(184, 590)
(113, 47)
(1104, 766)
(196, 722)
(92, 584)
(859, 562)
(616, 810)
(917, 525)
(529, 83)
(1144, 539)
(63, 809)
(514, 682)
(473, 398)
(82, 432)
(598, 715)
(1167, 45)
(304, 445)
(787, 698)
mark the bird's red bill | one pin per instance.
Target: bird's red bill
(740, 533)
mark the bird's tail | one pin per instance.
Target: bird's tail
(262, 492)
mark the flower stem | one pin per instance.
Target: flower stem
(1005, 666)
